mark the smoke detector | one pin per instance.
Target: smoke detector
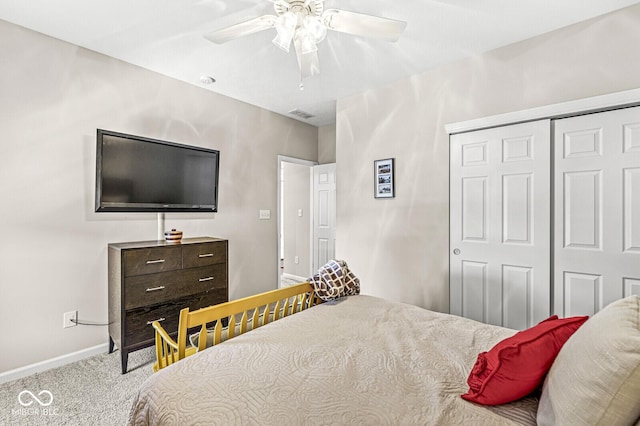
(207, 79)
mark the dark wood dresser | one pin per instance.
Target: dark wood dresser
(153, 280)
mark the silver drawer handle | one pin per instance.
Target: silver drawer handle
(206, 255)
(205, 279)
(159, 320)
(156, 288)
(150, 262)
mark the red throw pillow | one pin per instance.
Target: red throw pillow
(516, 366)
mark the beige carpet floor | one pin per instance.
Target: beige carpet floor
(88, 392)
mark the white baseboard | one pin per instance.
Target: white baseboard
(294, 277)
(38, 367)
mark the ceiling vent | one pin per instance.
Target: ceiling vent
(301, 114)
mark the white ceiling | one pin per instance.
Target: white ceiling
(165, 36)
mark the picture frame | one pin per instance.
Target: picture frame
(384, 178)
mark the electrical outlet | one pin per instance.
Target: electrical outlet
(296, 260)
(68, 319)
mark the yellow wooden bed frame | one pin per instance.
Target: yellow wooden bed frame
(253, 311)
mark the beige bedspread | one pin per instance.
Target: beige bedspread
(362, 360)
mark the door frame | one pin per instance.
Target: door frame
(279, 212)
(627, 98)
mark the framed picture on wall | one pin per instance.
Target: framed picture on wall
(384, 178)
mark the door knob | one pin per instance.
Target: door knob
(456, 251)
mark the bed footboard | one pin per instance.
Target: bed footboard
(218, 323)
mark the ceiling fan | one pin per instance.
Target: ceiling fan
(304, 23)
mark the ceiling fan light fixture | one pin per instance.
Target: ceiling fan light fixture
(315, 28)
(286, 27)
(283, 40)
(304, 23)
(307, 43)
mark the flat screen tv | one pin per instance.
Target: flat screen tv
(138, 174)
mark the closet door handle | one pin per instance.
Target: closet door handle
(456, 251)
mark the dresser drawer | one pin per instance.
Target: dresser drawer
(151, 260)
(194, 255)
(138, 321)
(152, 289)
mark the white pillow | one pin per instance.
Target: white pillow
(596, 377)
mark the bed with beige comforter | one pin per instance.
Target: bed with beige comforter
(358, 360)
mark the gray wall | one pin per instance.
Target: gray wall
(327, 144)
(399, 247)
(53, 254)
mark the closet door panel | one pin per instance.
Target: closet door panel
(474, 290)
(631, 287)
(517, 295)
(517, 203)
(584, 294)
(631, 203)
(582, 218)
(474, 208)
(596, 210)
(500, 224)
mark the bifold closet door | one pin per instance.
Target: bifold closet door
(597, 210)
(500, 224)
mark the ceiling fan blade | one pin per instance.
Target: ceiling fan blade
(242, 29)
(363, 25)
(309, 63)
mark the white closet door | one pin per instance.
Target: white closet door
(597, 210)
(500, 224)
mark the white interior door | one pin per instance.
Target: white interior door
(324, 218)
(597, 210)
(500, 224)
